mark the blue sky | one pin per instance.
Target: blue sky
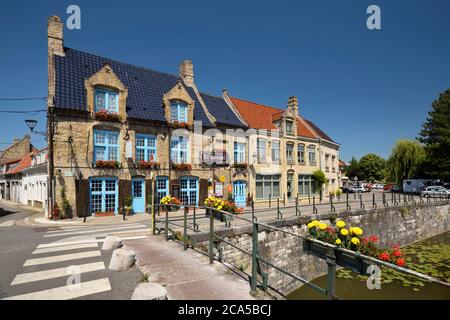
(365, 88)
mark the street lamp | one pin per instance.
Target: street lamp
(32, 124)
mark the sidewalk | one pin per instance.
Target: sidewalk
(187, 275)
(90, 221)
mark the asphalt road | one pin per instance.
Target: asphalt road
(31, 257)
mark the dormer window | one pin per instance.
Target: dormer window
(178, 112)
(289, 127)
(106, 100)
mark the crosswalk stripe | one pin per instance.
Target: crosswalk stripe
(60, 258)
(90, 227)
(66, 243)
(90, 231)
(65, 293)
(66, 248)
(55, 273)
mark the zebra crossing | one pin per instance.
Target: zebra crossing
(71, 265)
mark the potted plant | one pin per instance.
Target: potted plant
(128, 202)
(104, 115)
(171, 203)
(56, 212)
(65, 205)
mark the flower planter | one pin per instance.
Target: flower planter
(343, 259)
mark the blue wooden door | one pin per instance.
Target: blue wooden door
(239, 193)
(138, 192)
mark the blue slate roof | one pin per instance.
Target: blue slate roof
(218, 107)
(145, 87)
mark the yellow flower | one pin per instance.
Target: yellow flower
(338, 241)
(344, 232)
(355, 241)
(340, 224)
(310, 225)
(357, 231)
(322, 226)
(219, 207)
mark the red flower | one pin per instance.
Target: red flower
(401, 262)
(396, 247)
(396, 253)
(373, 239)
(330, 230)
(384, 256)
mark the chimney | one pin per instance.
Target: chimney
(187, 72)
(293, 105)
(55, 36)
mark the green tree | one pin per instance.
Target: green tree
(352, 169)
(405, 160)
(319, 177)
(435, 135)
(371, 167)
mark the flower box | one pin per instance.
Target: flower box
(181, 166)
(343, 259)
(181, 125)
(149, 165)
(219, 215)
(104, 115)
(107, 164)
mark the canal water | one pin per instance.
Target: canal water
(431, 256)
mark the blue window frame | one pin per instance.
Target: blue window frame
(178, 111)
(162, 188)
(106, 145)
(189, 191)
(145, 148)
(106, 100)
(239, 152)
(179, 149)
(103, 194)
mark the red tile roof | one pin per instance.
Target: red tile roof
(259, 116)
(23, 164)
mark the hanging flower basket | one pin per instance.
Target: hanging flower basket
(351, 239)
(171, 203)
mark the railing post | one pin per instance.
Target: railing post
(361, 204)
(211, 238)
(278, 208)
(374, 204)
(284, 199)
(314, 205)
(346, 201)
(333, 209)
(253, 211)
(331, 276)
(270, 200)
(297, 211)
(166, 227)
(185, 228)
(254, 277)
(123, 210)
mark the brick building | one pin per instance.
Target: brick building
(123, 130)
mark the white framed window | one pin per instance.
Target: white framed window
(261, 150)
(276, 151)
(267, 186)
(301, 153)
(312, 155)
(239, 152)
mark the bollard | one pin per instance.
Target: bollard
(254, 277)
(331, 276)
(166, 227)
(374, 204)
(284, 199)
(123, 210)
(253, 211)
(314, 205)
(185, 246)
(270, 200)
(211, 238)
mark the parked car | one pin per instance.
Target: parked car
(356, 189)
(435, 191)
(378, 186)
(396, 189)
(388, 187)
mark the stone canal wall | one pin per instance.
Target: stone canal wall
(396, 225)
